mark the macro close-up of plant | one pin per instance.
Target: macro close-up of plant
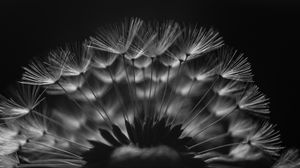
(141, 94)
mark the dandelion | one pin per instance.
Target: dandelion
(141, 94)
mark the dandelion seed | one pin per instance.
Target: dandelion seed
(167, 33)
(234, 66)
(77, 60)
(254, 101)
(145, 37)
(25, 99)
(266, 138)
(116, 38)
(39, 73)
(196, 41)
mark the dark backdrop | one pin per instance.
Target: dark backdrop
(267, 32)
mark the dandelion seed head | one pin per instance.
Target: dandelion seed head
(140, 94)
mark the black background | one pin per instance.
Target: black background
(266, 31)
